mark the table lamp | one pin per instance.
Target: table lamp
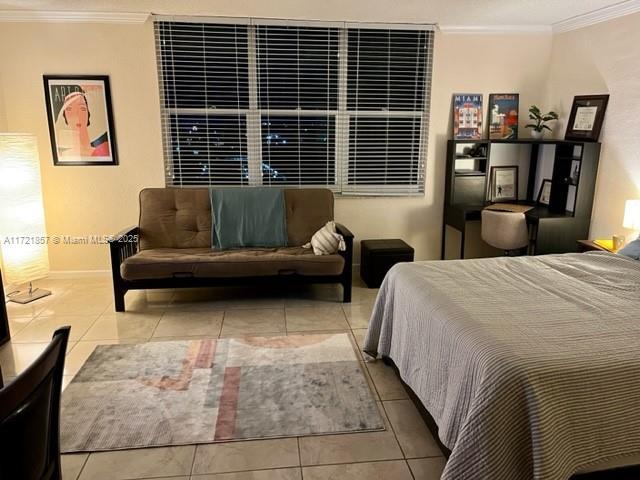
(23, 238)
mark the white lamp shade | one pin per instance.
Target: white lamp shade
(632, 215)
(23, 243)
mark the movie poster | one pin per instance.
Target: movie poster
(467, 116)
(503, 116)
(80, 120)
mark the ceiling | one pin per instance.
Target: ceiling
(443, 12)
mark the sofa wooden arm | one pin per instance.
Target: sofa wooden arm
(122, 245)
(346, 277)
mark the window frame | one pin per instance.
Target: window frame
(342, 115)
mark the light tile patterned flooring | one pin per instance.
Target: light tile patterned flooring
(405, 450)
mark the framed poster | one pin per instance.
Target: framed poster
(503, 116)
(467, 116)
(80, 119)
(504, 183)
(544, 195)
(587, 115)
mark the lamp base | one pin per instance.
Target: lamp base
(29, 296)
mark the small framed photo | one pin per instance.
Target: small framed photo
(587, 115)
(504, 183)
(467, 116)
(544, 195)
(80, 119)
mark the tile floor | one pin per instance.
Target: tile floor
(405, 450)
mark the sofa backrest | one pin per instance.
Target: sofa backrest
(181, 217)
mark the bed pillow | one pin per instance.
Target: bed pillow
(631, 249)
(327, 240)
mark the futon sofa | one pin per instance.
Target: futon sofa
(171, 246)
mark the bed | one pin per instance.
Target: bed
(530, 366)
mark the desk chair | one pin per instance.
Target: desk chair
(505, 230)
(30, 417)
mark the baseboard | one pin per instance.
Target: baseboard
(63, 274)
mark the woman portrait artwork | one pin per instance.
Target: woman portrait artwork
(80, 122)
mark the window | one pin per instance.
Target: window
(267, 103)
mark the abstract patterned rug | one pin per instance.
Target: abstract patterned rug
(203, 391)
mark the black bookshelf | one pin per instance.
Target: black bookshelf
(554, 228)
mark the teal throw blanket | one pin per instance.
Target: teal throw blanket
(248, 217)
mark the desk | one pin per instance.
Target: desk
(547, 239)
(4, 320)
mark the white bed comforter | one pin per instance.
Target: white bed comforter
(530, 366)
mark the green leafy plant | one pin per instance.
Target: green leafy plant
(540, 119)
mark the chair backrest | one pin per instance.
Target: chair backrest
(30, 417)
(504, 230)
(181, 217)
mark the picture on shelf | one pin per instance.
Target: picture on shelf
(587, 115)
(503, 116)
(504, 183)
(544, 195)
(467, 116)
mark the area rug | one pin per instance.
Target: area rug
(204, 391)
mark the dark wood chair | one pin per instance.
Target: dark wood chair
(30, 417)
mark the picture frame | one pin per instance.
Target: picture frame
(467, 116)
(80, 120)
(544, 194)
(504, 183)
(503, 116)
(586, 117)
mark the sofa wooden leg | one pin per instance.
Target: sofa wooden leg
(346, 292)
(118, 296)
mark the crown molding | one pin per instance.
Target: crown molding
(597, 16)
(73, 17)
(494, 29)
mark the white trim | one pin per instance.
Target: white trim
(621, 9)
(75, 17)
(391, 26)
(62, 274)
(494, 29)
(202, 19)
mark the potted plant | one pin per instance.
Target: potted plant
(540, 120)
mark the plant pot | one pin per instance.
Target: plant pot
(535, 134)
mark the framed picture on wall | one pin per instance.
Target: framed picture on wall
(80, 119)
(503, 116)
(544, 195)
(467, 116)
(587, 115)
(504, 183)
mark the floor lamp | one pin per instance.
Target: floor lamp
(23, 240)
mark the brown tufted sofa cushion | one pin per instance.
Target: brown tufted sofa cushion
(181, 217)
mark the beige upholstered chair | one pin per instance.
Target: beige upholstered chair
(505, 230)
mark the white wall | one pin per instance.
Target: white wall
(604, 58)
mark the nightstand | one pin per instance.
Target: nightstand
(591, 246)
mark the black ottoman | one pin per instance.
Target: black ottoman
(378, 256)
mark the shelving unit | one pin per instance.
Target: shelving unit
(571, 166)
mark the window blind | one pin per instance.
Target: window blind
(282, 103)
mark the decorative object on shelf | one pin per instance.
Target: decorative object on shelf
(540, 122)
(25, 255)
(467, 116)
(503, 116)
(631, 215)
(504, 183)
(587, 115)
(544, 195)
(80, 119)
(575, 171)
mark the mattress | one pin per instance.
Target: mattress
(530, 366)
